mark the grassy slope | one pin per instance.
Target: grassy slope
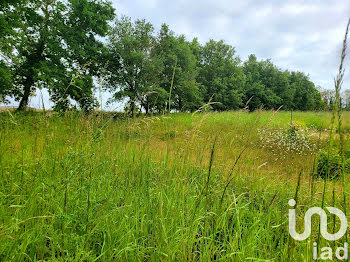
(153, 189)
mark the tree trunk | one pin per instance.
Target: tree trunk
(25, 98)
(132, 108)
(146, 106)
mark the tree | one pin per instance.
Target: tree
(346, 99)
(306, 96)
(327, 96)
(134, 67)
(178, 70)
(54, 40)
(269, 87)
(6, 80)
(259, 86)
(7, 21)
(281, 87)
(220, 76)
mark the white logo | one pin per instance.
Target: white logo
(323, 223)
(341, 253)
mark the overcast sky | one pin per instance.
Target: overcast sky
(296, 35)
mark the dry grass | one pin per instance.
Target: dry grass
(96, 188)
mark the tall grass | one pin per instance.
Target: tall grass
(338, 108)
(163, 188)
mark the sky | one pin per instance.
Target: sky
(296, 35)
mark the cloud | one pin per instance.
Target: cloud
(294, 34)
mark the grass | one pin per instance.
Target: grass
(180, 187)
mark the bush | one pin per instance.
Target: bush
(329, 165)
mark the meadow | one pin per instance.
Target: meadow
(176, 187)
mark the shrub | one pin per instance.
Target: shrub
(329, 165)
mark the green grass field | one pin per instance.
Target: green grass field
(182, 187)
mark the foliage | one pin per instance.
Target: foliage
(178, 60)
(133, 67)
(220, 76)
(77, 187)
(330, 165)
(346, 99)
(55, 44)
(52, 40)
(7, 21)
(281, 140)
(6, 81)
(268, 87)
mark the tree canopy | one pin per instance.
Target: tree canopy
(220, 76)
(58, 45)
(53, 44)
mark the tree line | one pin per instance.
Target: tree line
(329, 98)
(65, 45)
